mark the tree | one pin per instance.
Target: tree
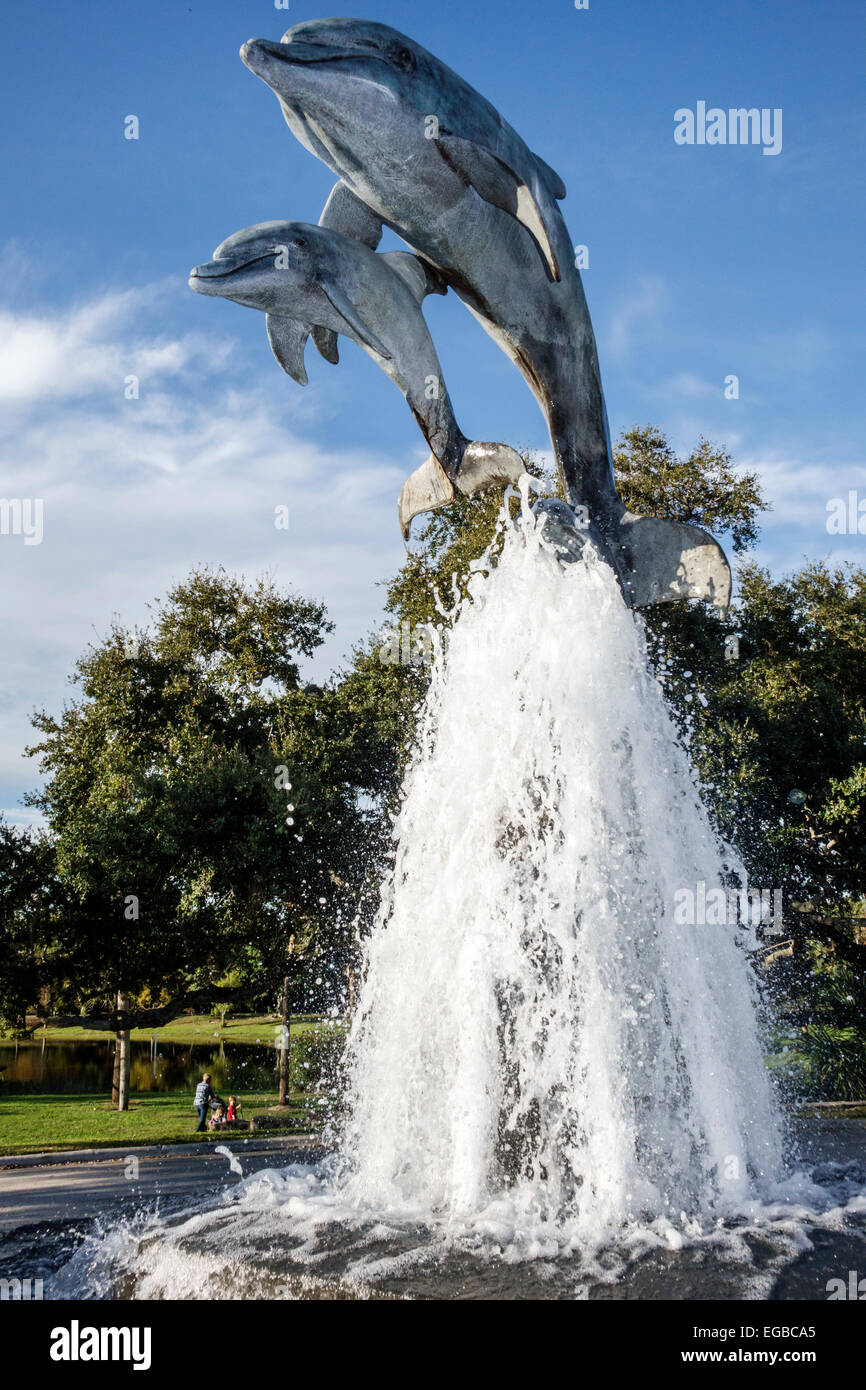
(779, 730)
(823, 1006)
(31, 900)
(201, 805)
(703, 488)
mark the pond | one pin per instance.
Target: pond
(86, 1067)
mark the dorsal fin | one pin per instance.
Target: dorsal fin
(551, 178)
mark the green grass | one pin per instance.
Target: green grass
(49, 1124)
(196, 1028)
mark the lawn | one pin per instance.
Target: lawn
(192, 1028)
(50, 1123)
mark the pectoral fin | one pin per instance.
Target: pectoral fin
(345, 212)
(288, 338)
(497, 183)
(355, 325)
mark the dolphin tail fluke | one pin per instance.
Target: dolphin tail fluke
(663, 560)
(481, 466)
(424, 490)
(488, 465)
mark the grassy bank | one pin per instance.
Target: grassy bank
(195, 1028)
(51, 1123)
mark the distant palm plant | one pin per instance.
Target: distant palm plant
(826, 1058)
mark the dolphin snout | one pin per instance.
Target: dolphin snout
(200, 282)
(250, 52)
(207, 278)
(260, 55)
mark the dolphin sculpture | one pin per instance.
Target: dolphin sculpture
(417, 149)
(315, 281)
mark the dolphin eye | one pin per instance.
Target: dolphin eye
(405, 59)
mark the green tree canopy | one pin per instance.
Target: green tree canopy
(704, 488)
(201, 805)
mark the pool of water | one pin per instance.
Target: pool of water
(86, 1067)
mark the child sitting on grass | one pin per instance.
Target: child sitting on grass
(218, 1118)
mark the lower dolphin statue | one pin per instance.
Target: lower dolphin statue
(417, 149)
(312, 280)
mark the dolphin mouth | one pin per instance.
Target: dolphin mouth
(215, 270)
(228, 265)
(258, 54)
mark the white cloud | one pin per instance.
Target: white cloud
(799, 490)
(640, 306)
(137, 492)
(688, 385)
(23, 817)
(81, 351)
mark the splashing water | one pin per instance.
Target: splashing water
(533, 1021)
(552, 1082)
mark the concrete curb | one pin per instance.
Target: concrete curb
(306, 1142)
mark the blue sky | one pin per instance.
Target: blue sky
(704, 262)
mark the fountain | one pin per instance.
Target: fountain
(555, 1087)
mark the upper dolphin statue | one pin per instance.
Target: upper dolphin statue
(418, 149)
(314, 280)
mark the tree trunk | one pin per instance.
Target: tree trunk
(284, 1043)
(115, 1074)
(123, 1059)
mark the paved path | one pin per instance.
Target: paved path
(81, 1190)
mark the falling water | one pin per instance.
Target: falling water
(534, 1024)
